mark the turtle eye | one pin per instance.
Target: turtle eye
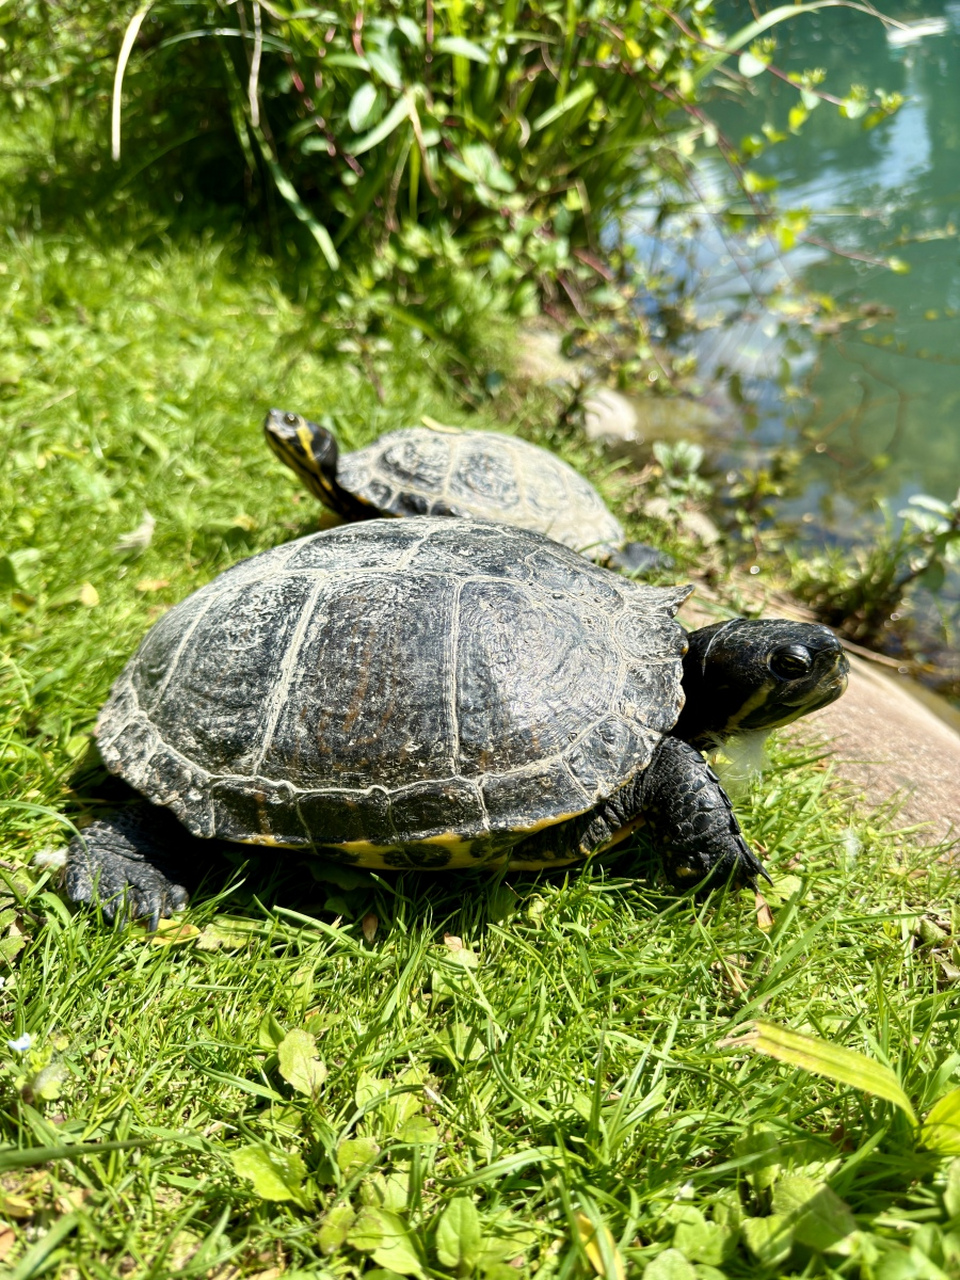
(790, 662)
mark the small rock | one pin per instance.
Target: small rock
(699, 524)
(695, 523)
(676, 417)
(610, 416)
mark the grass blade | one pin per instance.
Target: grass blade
(26, 1157)
(941, 1128)
(846, 1066)
(297, 207)
(585, 91)
(394, 117)
(126, 48)
(462, 48)
(31, 1262)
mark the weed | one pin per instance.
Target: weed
(858, 592)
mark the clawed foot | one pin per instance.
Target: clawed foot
(739, 869)
(692, 821)
(127, 862)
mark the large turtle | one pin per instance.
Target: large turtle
(445, 471)
(434, 693)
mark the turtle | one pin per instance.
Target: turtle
(440, 470)
(437, 694)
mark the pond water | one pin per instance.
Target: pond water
(879, 416)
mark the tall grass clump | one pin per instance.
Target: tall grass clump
(513, 130)
(438, 147)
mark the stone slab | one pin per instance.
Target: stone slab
(894, 749)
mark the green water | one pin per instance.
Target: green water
(880, 416)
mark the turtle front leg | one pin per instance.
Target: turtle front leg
(131, 860)
(679, 800)
(692, 821)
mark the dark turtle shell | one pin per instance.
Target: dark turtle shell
(429, 685)
(445, 471)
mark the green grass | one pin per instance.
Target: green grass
(481, 1106)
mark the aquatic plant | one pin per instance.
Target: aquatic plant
(860, 591)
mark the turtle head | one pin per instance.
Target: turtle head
(749, 676)
(308, 449)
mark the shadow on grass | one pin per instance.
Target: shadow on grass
(171, 185)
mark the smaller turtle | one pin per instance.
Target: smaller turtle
(444, 471)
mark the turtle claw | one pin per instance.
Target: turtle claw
(691, 818)
(145, 895)
(123, 864)
(750, 864)
(740, 872)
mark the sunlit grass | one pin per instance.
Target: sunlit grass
(522, 1074)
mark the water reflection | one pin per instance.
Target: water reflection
(885, 395)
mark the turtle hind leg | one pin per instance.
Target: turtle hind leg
(692, 822)
(640, 558)
(132, 860)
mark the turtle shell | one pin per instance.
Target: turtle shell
(428, 686)
(445, 471)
